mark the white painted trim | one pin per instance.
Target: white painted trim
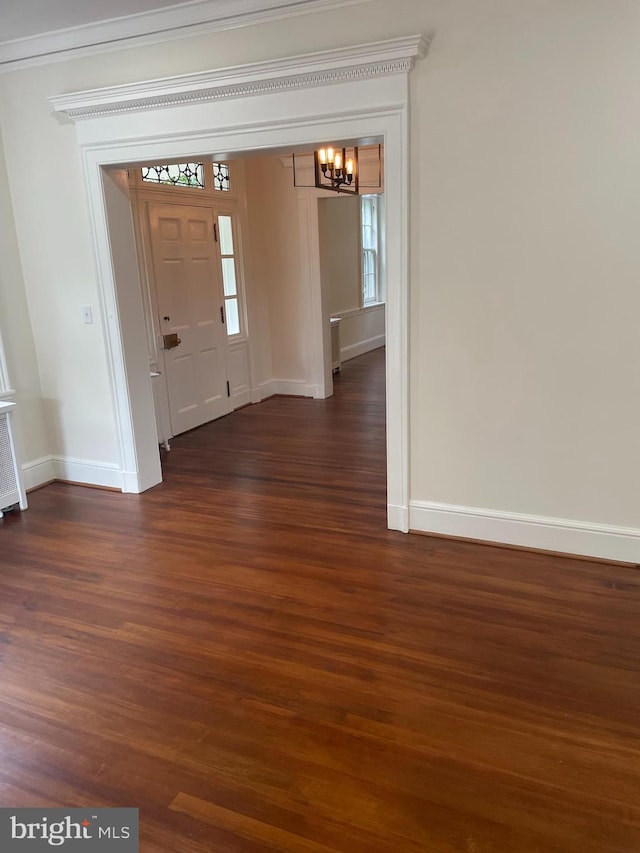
(360, 62)
(5, 384)
(181, 20)
(88, 471)
(131, 482)
(531, 531)
(286, 387)
(318, 365)
(262, 392)
(240, 398)
(354, 350)
(283, 119)
(7, 395)
(398, 518)
(46, 469)
(37, 472)
(396, 288)
(124, 333)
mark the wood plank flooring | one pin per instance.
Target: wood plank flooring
(247, 655)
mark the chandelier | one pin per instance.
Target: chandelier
(336, 170)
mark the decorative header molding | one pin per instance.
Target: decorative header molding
(186, 19)
(376, 59)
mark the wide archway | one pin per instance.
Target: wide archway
(266, 106)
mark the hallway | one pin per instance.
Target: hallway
(248, 656)
(295, 462)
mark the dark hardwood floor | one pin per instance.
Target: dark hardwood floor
(247, 655)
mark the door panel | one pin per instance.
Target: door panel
(187, 276)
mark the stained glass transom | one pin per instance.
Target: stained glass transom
(221, 177)
(176, 174)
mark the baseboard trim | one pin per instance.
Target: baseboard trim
(398, 518)
(82, 472)
(354, 350)
(87, 472)
(286, 387)
(602, 541)
(240, 399)
(38, 472)
(90, 486)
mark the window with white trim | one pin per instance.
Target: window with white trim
(175, 174)
(229, 277)
(369, 217)
(198, 176)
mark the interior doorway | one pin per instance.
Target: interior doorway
(193, 267)
(269, 108)
(190, 256)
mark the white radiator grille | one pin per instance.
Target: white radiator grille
(8, 482)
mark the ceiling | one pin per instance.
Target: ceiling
(23, 18)
(33, 31)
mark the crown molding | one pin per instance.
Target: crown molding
(313, 69)
(193, 18)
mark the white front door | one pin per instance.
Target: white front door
(190, 299)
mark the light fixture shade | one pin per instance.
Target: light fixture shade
(330, 170)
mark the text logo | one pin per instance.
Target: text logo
(36, 830)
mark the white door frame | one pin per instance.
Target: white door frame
(5, 386)
(346, 94)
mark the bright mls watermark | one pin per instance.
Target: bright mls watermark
(79, 830)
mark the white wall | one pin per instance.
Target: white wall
(361, 329)
(524, 295)
(339, 234)
(15, 329)
(524, 347)
(272, 204)
(59, 269)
